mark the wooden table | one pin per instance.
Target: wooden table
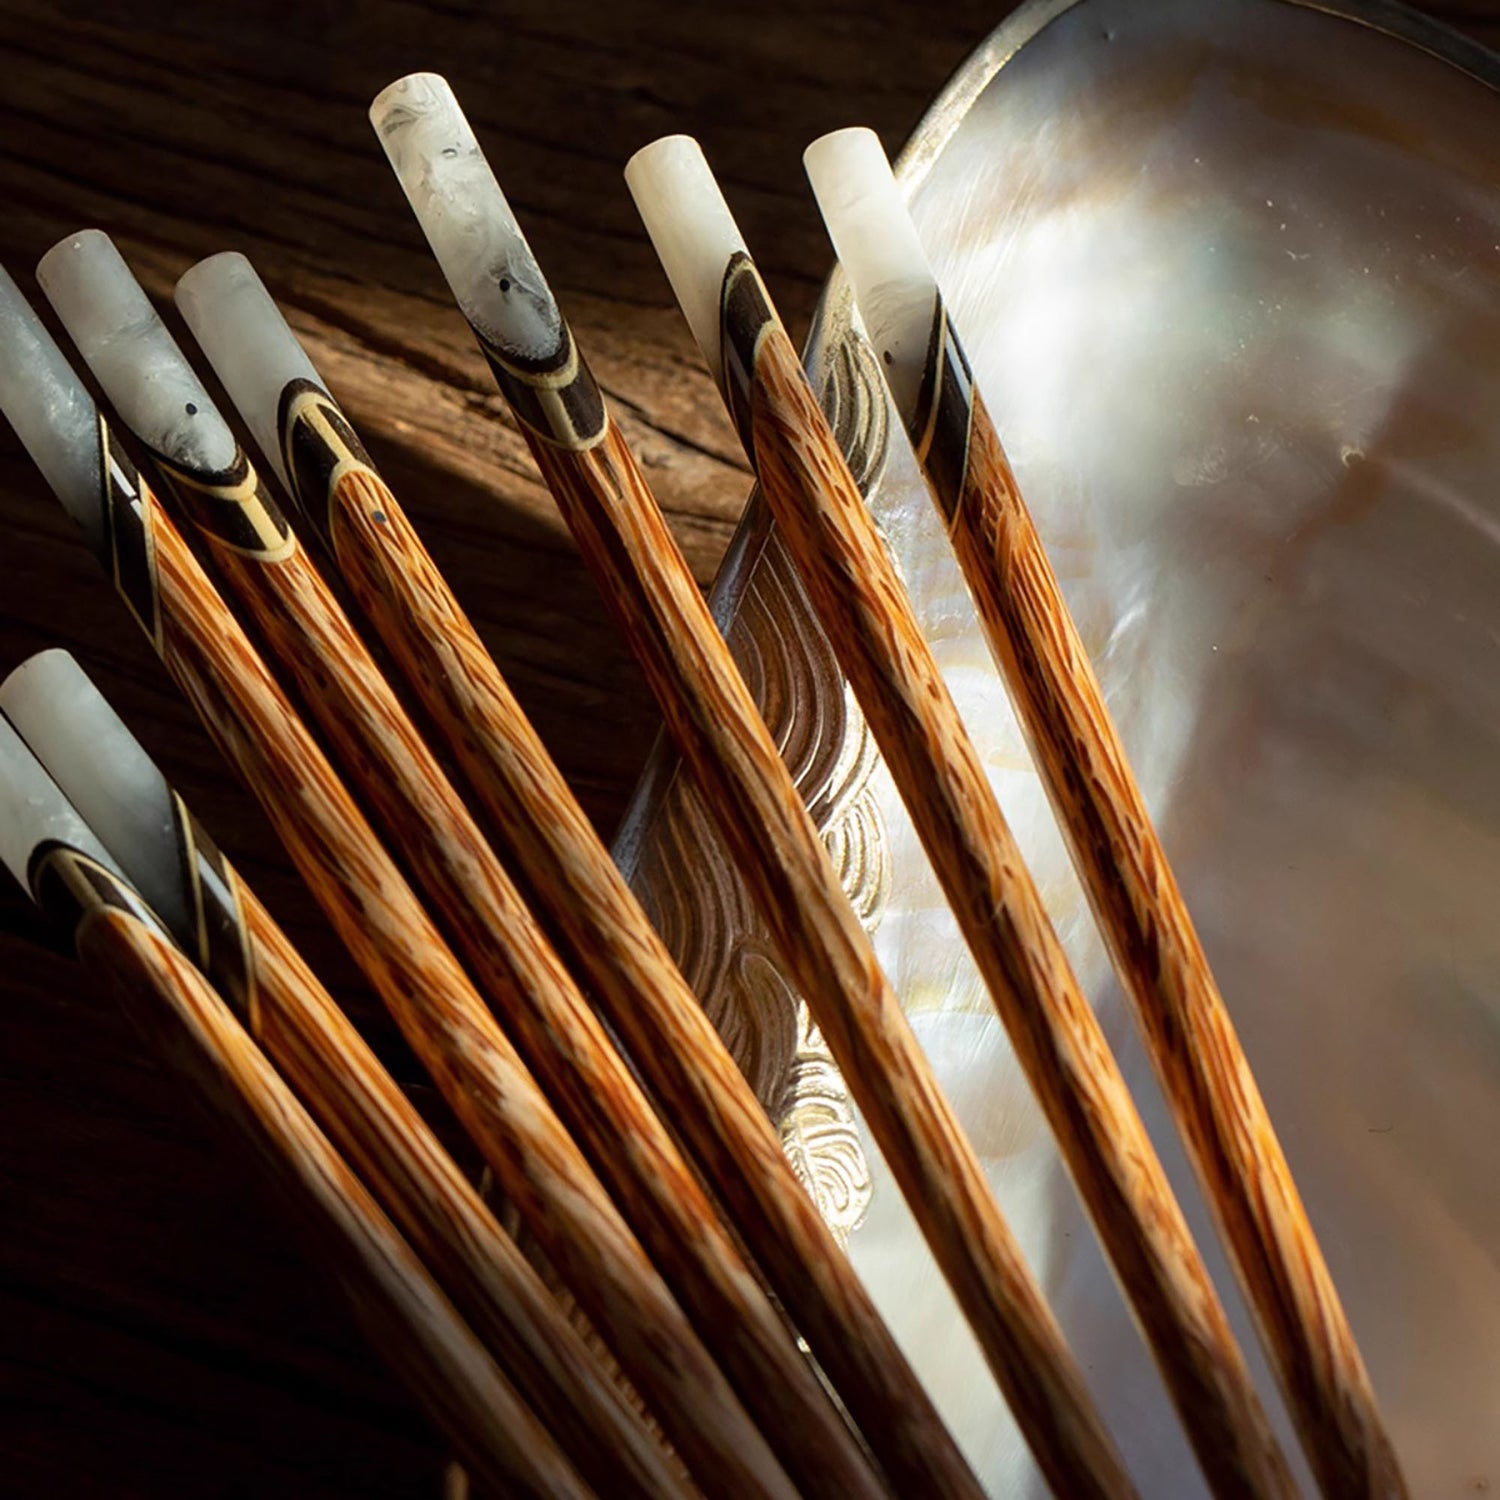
(158, 1330)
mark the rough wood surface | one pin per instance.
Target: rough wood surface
(158, 1330)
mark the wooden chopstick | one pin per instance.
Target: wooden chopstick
(864, 609)
(746, 786)
(218, 921)
(400, 1308)
(1137, 902)
(374, 911)
(611, 941)
(427, 822)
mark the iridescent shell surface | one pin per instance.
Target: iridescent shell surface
(1229, 275)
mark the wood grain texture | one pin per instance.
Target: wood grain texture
(399, 1306)
(563, 1041)
(158, 1331)
(868, 617)
(1163, 968)
(434, 1002)
(730, 753)
(615, 949)
(216, 919)
(186, 133)
(387, 1142)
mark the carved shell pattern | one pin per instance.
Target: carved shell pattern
(692, 890)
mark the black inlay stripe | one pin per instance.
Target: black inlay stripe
(219, 943)
(131, 558)
(68, 884)
(744, 316)
(561, 404)
(942, 441)
(191, 935)
(317, 445)
(232, 506)
(919, 418)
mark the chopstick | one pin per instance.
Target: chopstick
(641, 573)
(217, 920)
(864, 609)
(372, 908)
(51, 852)
(1137, 902)
(610, 940)
(429, 825)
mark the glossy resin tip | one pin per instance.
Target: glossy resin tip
(53, 415)
(127, 346)
(473, 233)
(34, 812)
(692, 229)
(877, 246)
(102, 770)
(254, 353)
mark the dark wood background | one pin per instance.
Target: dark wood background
(158, 1330)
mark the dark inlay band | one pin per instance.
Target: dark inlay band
(233, 507)
(130, 550)
(218, 943)
(559, 401)
(318, 447)
(744, 316)
(941, 421)
(69, 884)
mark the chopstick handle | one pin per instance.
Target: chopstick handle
(864, 608)
(117, 789)
(395, 1301)
(625, 541)
(1161, 963)
(557, 1032)
(429, 994)
(507, 1304)
(456, 1035)
(1114, 846)
(747, 785)
(632, 975)
(722, 1306)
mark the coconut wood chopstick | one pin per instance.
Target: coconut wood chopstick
(52, 853)
(1156, 950)
(562, 1039)
(642, 574)
(371, 907)
(610, 940)
(868, 618)
(218, 921)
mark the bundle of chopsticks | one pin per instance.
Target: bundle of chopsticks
(672, 1317)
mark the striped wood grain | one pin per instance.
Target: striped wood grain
(711, 714)
(431, 998)
(218, 921)
(864, 609)
(613, 945)
(1162, 966)
(517, 970)
(394, 1151)
(397, 1304)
